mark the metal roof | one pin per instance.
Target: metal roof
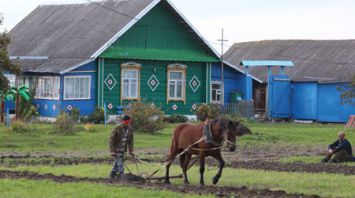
(316, 60)
(71, 34)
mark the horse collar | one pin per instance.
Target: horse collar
(208, 136)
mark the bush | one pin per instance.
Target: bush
(75, 114)
(90, 128)
(235, 117)
(176, 118)
(207, 111)
(64, 124)
(146, 117)
(29, 113)
(20, 127)
(97, 117)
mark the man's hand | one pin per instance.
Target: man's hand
(330, 151)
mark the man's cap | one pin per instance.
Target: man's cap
(126, 117)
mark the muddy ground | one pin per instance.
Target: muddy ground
(259, 164)
(195, 189)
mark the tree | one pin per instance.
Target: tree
(17, 93)
(5, 62)
(348, 95)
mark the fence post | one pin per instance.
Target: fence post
(105, 112)
(7, 118)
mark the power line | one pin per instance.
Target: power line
(113, 10)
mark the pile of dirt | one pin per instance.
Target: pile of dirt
(130, 178)
(201, 190)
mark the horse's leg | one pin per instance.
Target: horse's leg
(182, 160)
(169, 161)
(185, 166)
(202, 167)
(218, 157)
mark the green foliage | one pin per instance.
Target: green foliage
(146, 117)
(97, 117)
(29, 113)
(6, 64)
(235, 117)
(207, 111)
(75, 114)
(20, 127)
(176, 118)
(64, 124)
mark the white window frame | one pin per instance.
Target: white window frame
(137, 79)
(56, 87)
(23, 81)
(220, 92)
(79, 76)
(183, 84)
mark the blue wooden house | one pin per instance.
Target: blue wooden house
(311, 90)
(115, 52)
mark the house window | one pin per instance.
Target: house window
(12, 79)
(77, 87)
(216, 91)
(47, 87)
(23, 81)
(176, 84)
(130, 79)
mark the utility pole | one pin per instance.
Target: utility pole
(222, 40)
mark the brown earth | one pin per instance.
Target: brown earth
(220, 191)
(260, 164)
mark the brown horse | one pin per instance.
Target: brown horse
(203, 140)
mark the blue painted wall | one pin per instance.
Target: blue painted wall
(51, 108)
(304, 100)
(280, 96)
(233, 81)
(330, 107)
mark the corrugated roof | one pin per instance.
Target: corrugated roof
(315, 60)
(72, 34)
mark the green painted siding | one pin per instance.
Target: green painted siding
(159, 95)
(157, 40)
(160, 36)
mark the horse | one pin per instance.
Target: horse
(203, 140)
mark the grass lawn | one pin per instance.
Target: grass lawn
(42, 189)
(327, 185)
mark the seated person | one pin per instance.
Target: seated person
(340, 150)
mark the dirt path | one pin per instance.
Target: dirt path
(260, 165)
(202, 190)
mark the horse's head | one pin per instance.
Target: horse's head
(235, 129)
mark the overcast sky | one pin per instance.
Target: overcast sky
(242, 20)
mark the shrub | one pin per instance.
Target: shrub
(176, 118)
(64, 124)
(235, 117)
(97, 117)
(207, 111)
(90, 128)
(146, 117)
(75, 114)
(29, 113)
(20, 127)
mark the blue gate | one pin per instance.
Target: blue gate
(280, 96)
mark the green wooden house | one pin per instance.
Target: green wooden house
(113, 53)
(161, 60)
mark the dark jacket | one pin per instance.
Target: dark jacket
(121, 138)
(341, 145)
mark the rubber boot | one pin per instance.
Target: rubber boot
(112, 175)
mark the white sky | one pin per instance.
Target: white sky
(242, 20)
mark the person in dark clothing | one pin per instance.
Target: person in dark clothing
(121, 138)
(340, 150)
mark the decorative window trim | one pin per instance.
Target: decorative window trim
(215, 101)
(130, 66)
(47, 98)
(176, 68)
(81, 76)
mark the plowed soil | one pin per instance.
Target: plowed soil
(214, 190)
(262, 165)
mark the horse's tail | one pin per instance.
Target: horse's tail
(174, 144)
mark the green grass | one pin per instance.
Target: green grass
(309, 159)
(265, 134)
(28, 188)
(323, 184)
